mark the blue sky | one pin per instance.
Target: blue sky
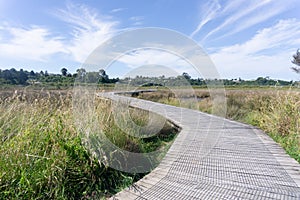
(243, 38)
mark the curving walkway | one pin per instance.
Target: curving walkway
(215, 158)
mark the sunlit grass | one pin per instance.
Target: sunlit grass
(42, 155)
(276, 111)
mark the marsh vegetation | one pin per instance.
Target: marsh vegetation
(274, 110)
(42, 155)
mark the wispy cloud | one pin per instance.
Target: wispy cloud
(255, 18)
(159, 58)
(117, 10)
(147, 57)
(89, 29)
(232, 6)
(137, 20)
(268, 52)
(213, 10)
(280, 35)
(233, 16)
(209, 11)
(32, 43)
(248, 8)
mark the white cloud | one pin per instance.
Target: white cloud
(255, 18)
(38, 43)
(117, 10)
(163, 60)
(281, 35)
(157, 57)
(250, 58)
(232, 6)
(213, 10)
(136, 18)
(248, 8)
(209, 11)
(233, 16)
(90, 29)
(149, 57)
(250, 67)
(138, 23)
(34, 43)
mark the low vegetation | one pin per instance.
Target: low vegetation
(42, 155)
(66, 80)
(276, 111)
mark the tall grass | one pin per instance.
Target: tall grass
(42, 155)
(118, 134)
(277, 112)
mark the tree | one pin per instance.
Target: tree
(296, 61)
(261, 81)
(103, 76)
(22, 77)
(91, 77)
(186, 76)
(32, 74)
(64, 71)
(81, 72)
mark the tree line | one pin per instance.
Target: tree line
(24, 77)
(186, 80)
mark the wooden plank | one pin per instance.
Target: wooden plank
(218, 159)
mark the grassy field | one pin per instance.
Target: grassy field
(41, 151)
(274, 110)
(42, 155)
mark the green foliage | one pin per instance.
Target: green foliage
(186, 80)
(42, 155)
(140, 118)
(277, 112)
(296, 61)
(14, 77)
(56, 81)
(65, 79)
(64, 71)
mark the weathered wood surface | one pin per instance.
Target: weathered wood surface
(215, 158)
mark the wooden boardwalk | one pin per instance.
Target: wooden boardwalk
(215, 158)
